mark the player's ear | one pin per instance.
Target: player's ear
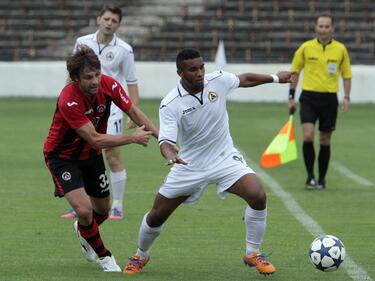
(98, 19)
(179, 72)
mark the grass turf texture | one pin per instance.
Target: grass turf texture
(202, 242)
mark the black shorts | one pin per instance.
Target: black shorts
(69, 175)
(319, 106)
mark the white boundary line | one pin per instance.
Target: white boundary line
(353, 269)
(349, 174)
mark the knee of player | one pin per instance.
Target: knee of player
(84, 213)
(155, 218)
(257, 199)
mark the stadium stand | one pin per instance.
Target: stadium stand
(253, 31)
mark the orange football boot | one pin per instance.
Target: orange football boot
(261, 263)
(135, 265)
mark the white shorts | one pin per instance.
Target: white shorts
(115, 127)
(183, 181)
(115, 121)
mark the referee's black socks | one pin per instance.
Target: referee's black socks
(309, 158)
(323, 159)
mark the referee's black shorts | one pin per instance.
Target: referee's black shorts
(72, 174)
(319, 106)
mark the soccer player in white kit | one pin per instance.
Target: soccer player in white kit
(194, 116)
(117, 60)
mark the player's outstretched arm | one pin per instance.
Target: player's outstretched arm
(255, 79)
(97, 140)
(140, 119)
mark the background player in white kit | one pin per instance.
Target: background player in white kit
(194, 114)
(117, 60)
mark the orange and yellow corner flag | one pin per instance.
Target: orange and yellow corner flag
(282, 149)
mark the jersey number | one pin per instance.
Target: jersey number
(118, 125)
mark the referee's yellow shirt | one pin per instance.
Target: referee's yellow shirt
(322, 66)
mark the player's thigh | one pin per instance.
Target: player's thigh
(183, 182)
(250, 189)
(229, 171)
(94, 176)
(66, 175)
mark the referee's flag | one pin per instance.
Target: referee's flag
(283, 147)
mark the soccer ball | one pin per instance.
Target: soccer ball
(327, 252)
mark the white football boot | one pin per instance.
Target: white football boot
(109, 264)
(87, 251)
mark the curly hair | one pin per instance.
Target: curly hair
(83, 57)
(186, 54)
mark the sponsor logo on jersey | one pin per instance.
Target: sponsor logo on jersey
(123, 97)
(109, 56)
(114, 85)
(66, 176)
(185, 111)
(212, 96)
(71, 103)
(100, 108)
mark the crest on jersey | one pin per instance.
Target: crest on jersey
(66, 176)
(212, 96)
(100, 108)
(109, 56)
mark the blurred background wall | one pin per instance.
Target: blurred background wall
(259, 36)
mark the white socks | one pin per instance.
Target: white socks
(147, 236)
(255, 221)
(118, 181)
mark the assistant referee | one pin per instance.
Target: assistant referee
(322, 59)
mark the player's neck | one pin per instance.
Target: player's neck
(104, 39)
(191, 89)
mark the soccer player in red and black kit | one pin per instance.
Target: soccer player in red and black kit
(73, 147)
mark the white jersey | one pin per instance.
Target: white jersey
(116, 59)
(199, 123)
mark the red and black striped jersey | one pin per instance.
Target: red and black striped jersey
(73, 110)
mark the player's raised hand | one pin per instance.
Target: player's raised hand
(284, 76)
(141, 136)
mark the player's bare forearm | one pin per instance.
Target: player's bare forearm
(254, 79)
(140, 119)
(97, 140)
(133, 93)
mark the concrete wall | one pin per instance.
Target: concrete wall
(45, 79)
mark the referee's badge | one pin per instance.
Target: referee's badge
(212, 96)
(109, 56)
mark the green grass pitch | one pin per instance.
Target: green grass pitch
(201, 242)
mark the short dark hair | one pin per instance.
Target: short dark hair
(186, 54)
(83, 57)
(113, 9)
(324, 16)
